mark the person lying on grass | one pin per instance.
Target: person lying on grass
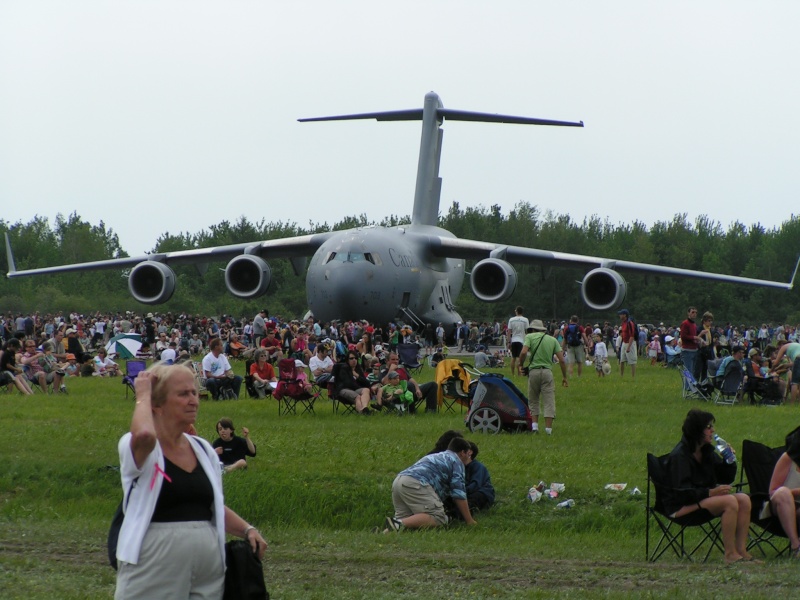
(418, 492)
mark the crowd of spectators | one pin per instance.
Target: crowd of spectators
(68, 344)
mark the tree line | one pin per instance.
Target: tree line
(546, 292)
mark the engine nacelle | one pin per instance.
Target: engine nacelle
(247, 276)
(493, 280)
(151, 282)
(603, 289)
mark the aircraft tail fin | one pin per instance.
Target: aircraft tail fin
(10, 256)
(428, 190)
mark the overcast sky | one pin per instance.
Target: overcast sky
(169, 116)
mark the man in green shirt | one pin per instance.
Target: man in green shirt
(541, 384)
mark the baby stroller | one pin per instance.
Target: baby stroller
(497, 404)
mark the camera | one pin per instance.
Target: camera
(526, 371)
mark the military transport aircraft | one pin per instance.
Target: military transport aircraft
(412, 273)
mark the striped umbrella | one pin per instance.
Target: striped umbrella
(124, 345)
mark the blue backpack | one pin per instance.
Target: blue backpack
(574, 335)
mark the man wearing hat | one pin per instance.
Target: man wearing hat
(74, 345)
(541, 384)
(627, 352)
(737, 354)
(170, 355)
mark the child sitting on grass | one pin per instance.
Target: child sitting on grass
(232, 449)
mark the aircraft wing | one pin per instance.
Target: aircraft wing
(293, 247)
(475, 250)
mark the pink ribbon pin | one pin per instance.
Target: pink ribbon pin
(155, 474)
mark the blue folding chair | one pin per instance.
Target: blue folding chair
(132, 369)
(692, 390)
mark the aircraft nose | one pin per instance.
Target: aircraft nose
(347, 282)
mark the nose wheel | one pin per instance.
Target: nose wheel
(484, 420)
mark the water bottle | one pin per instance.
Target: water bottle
(725, 450)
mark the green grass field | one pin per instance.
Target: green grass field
(320, 483)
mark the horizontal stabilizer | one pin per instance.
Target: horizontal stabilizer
(465, 115)
(414, 114)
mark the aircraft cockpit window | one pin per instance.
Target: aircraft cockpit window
(374, 258)
(353, 257)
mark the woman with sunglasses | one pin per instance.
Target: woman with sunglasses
(695, 470)
(351, 385)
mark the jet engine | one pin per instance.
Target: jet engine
(151, 282)
(603, 289)
(493, 280)
(247, 276)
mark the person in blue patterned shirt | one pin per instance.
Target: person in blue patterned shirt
(418, 492)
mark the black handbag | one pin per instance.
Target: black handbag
(244, 576)
(116, 525)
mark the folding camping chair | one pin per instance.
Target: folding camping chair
(34, 385)
(132, 369)
(453, 378)
(674, 530)
(728, 387)
(763, 391)
(291, 389)
(758, 462)
(692, 390)
(409, 357)
(347, 406)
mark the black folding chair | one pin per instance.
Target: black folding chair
(346, 406)
(758, 463)
(453, 392)
(701, 525)
(409, 357)
(728, 388)
(761, 390)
